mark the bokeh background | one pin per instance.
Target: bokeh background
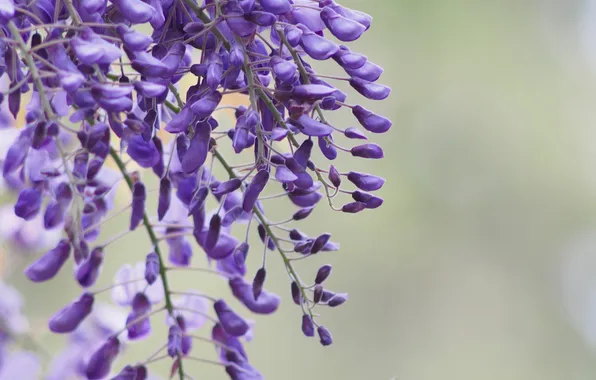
(482, 262)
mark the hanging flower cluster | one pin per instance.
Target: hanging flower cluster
(98, 91)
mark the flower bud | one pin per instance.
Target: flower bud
(257, 283)
(48, 265)
(324, 336)
(231, 322)
(308, 327)
(323, 273)
(100, 363)
(151, 268)
(69, 318)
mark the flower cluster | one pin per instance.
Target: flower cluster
(99, 91)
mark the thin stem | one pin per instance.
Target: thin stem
(154, 241)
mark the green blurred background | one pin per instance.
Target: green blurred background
(482, 262)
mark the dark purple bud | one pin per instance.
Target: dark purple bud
(163, 204)
(143, 152)
(370, 121)
(370, 200)
(354, 133)
(353, 207)
(174, 341)
(266, 304)
(347, 59)
(137, 322)
(254, 189)
(325, 336)
(69, 318)
(277, 7)
(48, 265)
(319, 243)
(133, 40)
(323, 273)
(317, 293)
(87, 273)
(337, 299)
(366, 182)
(257, 283)
(135, 11)
(303, 246)
(334, 176)
(213, 232)
(151, 268)
(369, 71)
(138, 372)
(100, 363)
(205, 106)
(372, 151)
(231, 322)
(14, 101)
(317, 47)
(297, 235)
(302, 214)
(53, 216)
(308, 327)
(343, 28)
(39, 135)
(226, 187)
(28, 204)
(265, 238)
(139, 194)
(296, 296)
(312, 127)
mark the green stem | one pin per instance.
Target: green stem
(154, 240)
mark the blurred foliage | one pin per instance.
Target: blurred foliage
(490, 177)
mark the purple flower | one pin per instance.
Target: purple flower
(100, 363)
(69, 318)
(48, 265)
(28, 204)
